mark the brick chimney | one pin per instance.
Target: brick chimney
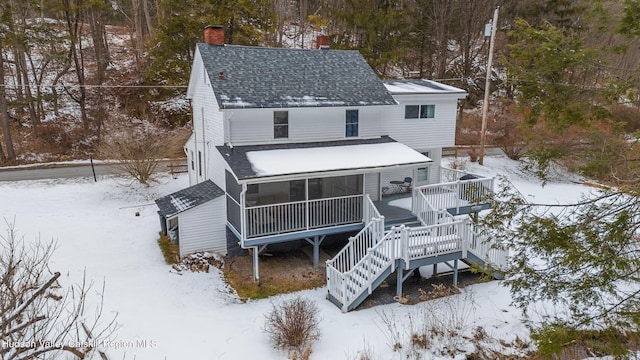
(214, 35)
(322, 41)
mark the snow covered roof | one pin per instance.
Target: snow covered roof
(188, 198)
(263, 77)
(289, 159)
(420, 86)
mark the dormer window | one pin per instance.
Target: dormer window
(351, 129)
(419, 111)
(280, 124)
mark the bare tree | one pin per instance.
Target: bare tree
(135, 153)
(40, 318)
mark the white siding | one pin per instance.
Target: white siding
(372, 185)
(396, 174)
(434, 169)
(203, 228)
(255, 126)
(423, 134)
(216, 167)
(208, 129)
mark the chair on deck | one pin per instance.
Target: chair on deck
(401, 186)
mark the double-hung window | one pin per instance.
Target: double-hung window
(280, 124)
(351, 129)
(419, 111)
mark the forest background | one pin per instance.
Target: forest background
(78, 73)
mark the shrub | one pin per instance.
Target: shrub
(293, 326)
(136, 153)
(169, 250)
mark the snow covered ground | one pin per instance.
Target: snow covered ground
(195, 315)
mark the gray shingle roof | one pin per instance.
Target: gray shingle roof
(237, 159)
(262, 77)
(188, 198)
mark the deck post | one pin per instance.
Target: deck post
(400, 279)
(316, 251)
(256, 275)
(455, 272)
(316, 241)
(435, 270)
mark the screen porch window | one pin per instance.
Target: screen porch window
(352, 123)
(280, 124)
(419, 111)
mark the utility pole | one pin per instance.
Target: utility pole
(487, 85)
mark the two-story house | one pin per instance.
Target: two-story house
(297, 144)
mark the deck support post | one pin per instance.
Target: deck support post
(256, 274)
(435, 270)
(455, 272)
(399, 281)
(316, 241)
(256, 251)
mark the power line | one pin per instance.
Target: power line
(95, 86)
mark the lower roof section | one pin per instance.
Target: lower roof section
(185, 199)
(258, 161)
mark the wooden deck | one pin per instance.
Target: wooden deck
(376, 252)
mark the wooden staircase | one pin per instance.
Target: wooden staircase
(432, 236)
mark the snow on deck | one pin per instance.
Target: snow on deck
(305, 160)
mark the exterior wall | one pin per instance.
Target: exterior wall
(207, 122)
(434, 171)
(422, 134)
(216, 167)
(372, 185)
(255, 126)
(203, 228)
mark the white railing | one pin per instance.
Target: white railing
(370, 253)
(433, 240)
(275, 218)
(358, 245)
(264, 220)
(482, 247)
(369, 210)
(335, 211)
(425, 212)
(458, 193)
(451, 175)
(347, 286)
(347, 280)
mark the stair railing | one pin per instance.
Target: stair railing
(482, 247)
(366, 271)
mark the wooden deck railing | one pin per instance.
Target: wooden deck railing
(458, 193)
(264, 220)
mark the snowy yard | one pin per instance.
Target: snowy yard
(195, 315)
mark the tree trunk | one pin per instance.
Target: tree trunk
(72, 17)
(4, 115)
